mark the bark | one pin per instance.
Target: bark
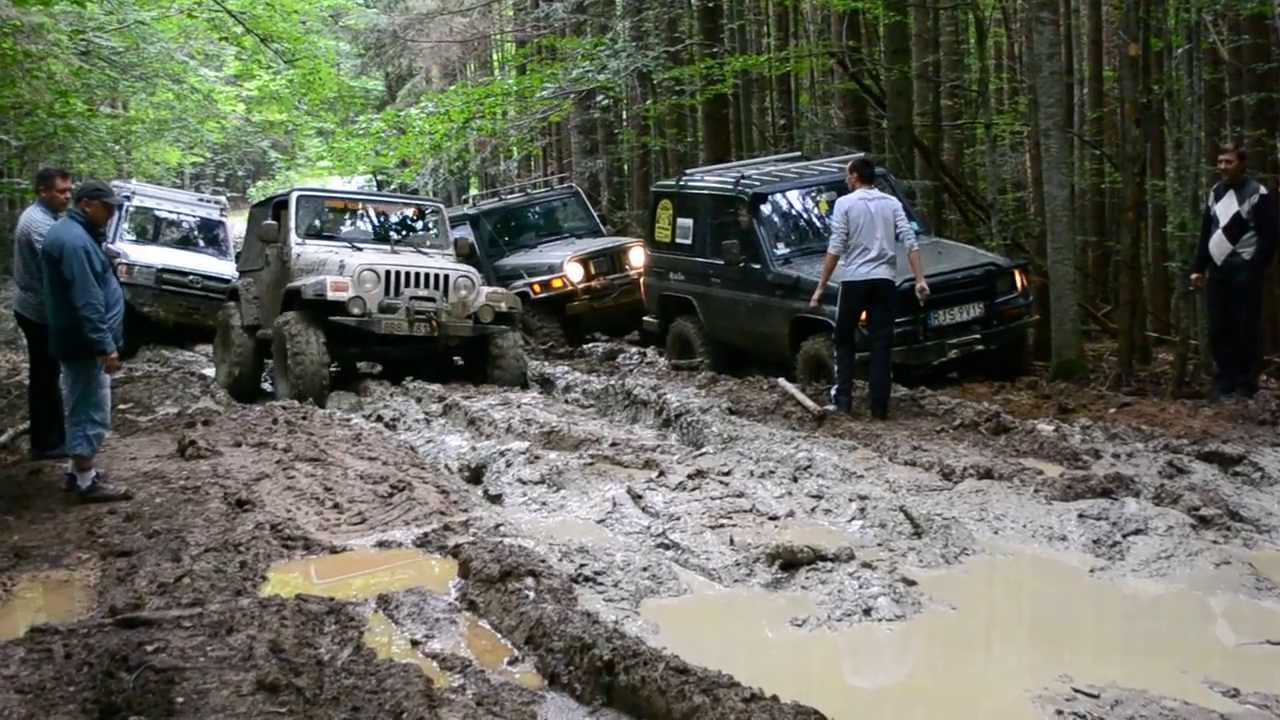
(853, 121)
(982, 48)
(1158, 288)
(743, 146)
(1234, 38)
(677, 126)
(898, 91)
(717, 145)
(1132, 144)
(784, 90)
(1035, 89)
(1099, 244)
(927, 96)
(638, 125)
(1046, 55)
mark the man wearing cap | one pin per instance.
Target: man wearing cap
(85, 307)
(44, 401)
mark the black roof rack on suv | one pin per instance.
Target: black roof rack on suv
(759, 172)
(523, 188)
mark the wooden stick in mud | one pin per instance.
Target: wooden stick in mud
(801, 398)
(13, 433)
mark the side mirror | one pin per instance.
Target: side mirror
(462, 246)
(269, 232)
(731, 251)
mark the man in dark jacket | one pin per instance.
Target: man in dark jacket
(85, 308)
(1237, 242)
(44, 399)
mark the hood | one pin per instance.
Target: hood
(939, 256)
(173, 259)
(549, 257)
(344, 258)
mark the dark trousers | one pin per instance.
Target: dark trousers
(1235, 325)
(875, 297)
(44, 397)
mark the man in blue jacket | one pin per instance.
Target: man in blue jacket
(85, 307)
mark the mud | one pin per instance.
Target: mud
(599, 517)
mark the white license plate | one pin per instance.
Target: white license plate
(958, 314)
(404, 327)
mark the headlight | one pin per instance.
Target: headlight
(486, 314)
(136, 274)
(636, 257)
(464, 288)
(1020, 280)
(368, 280)
(356, 306)
(574, 271)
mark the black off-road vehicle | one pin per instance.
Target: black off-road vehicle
(544, 242)
(736, 251)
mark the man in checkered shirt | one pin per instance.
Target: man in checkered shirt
(1237, 242)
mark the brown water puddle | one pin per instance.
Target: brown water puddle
(1268, 564)
(1004, 628)
(54, 597)
(388, 643)
(492, 652)
(362, 574)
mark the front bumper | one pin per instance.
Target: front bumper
(173, 308)
(613, 296)
(938, 352)
(419, 328)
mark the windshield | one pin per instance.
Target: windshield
(525, 226)
(149, 226)
(798, 222)
(371, 222)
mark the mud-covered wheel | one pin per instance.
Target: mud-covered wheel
(545, 328)
(135, 333)
(816, 361)
(1009, 361)
(301, 358)
(498, 360)
(688, 342)
(237, 364)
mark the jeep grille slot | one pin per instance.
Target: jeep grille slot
(398, 282)
(605, 264)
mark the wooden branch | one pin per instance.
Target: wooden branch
(1106, 325)
(801, 398)
(256, 35)
(12, 433)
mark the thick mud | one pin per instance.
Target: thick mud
(631, 541)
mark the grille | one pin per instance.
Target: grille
(606, 264)
(397, 282)
(193, 282)
(945, 293)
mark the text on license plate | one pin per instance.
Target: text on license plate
(404, 327)
(957, 314)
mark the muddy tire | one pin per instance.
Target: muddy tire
(1008, 362)
(498, 360)
(687, 341)
(237, 364)
(135, 333)
(546, 329)
(816, 361)
(301, 358)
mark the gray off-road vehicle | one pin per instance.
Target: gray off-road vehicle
(543, 241)
(330, 277)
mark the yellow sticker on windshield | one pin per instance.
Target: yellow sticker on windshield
(662, 223)
(824, 207)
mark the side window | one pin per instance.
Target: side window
(253, 254)
(730, 218)
(676, 225)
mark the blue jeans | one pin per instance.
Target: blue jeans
(86, 399)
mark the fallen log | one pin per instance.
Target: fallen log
(13, 433)
(801, 398)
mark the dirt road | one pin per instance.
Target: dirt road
(622, 533)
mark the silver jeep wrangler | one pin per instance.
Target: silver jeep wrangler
(335, 277)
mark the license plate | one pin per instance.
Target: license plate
(404, 327)
(958, 314)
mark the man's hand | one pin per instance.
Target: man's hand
(110, 363)
(1197, 281)
(922, 290)
(816, 300)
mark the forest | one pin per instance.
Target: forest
(1079, 134)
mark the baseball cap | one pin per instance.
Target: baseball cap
(96, 190)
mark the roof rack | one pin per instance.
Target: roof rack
(171, 194)
(542, 183)
(797, 155)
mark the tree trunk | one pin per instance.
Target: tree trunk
(784, 87)
(1046, 56)
(638, 126)
(1132, 143)
(1099, 243)
(1158, 288)
(743, 147)
(1041, 283)
(952, 33)
(677, 128)
(898, 91)
(925, 61)
(717, 145)
(853, 119)
(1237, 70)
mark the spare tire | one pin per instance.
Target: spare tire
(301, 358)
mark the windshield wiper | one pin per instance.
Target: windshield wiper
(557, 236)
(331, 236)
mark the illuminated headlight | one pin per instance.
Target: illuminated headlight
(574, 271)
(636, 257)
(136, 274)
(368, 280)
(464, 288)
(1020, 280)
(357, 306)
(486, 314)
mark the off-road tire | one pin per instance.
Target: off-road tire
(301, 358)
(1009, 361)
(498, 360)
(135, 333)
(816, 361)
(686, 341)
(237, 363)
(546, 329)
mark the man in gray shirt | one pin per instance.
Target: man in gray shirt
(866, 228)
(44, 399)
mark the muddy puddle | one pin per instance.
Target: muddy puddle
(1001, 628)
(362, 574)
(49, 598)
(365, 574)
(1268, 565)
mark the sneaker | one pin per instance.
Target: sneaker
(103, 491)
